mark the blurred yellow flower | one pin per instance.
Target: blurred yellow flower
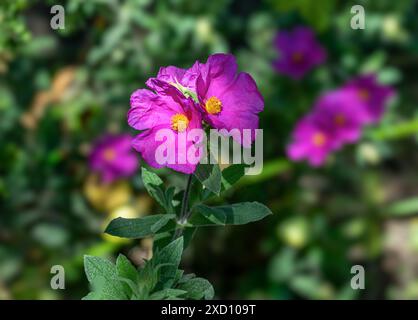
(106, 197)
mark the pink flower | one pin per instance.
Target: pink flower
(113, 157)
(180, 78)
(228, 100)
(311, 142)
(299, 52)
(374, 95)
(336, 119)
(342, 113)
(169, 110)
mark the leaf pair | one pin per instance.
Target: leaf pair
(236, 214)
(160, 278)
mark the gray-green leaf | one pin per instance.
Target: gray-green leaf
(137, 227)
(197, 288)
(155, 188)
(235, 214)
(102, 274)
(210, 176)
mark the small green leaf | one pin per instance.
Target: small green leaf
(236, 214)
(147, 278)
(169, 196)
(171, 253)
(231, 175)
(101, 273)
(167, 294)
(155, 188)
(137, 227)
(210, 176)
(125, 269)
(197, 288)
(170, 256)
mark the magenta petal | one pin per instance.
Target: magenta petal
(241, 103)
(145, 143)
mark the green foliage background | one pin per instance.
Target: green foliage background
(60, 90)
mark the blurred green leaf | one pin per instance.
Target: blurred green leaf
(403, 207)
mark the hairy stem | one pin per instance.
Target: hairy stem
(185, 202)
(184, 206)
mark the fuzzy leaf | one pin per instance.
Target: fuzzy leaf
(210, 176)
(125, 269)
(170, 256)
(101, 273)
(231, 175)
(155, 188)
(236, 214)
(197, 288)
(137, 227)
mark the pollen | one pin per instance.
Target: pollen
(109, 154)
(213, 105)
(319, 139)
(339, 120)
(297, 57)
(364, 94)
(179, 122)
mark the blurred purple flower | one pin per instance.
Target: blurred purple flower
(372, 94)
(342, 113)
(299, 52)
(336, 119)
(311, 142)
(169, 109)
(228, 100)
(113, 157)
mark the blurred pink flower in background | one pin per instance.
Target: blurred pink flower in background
(338, 118)
(113, 157)
(311, 142)
(342, 114)
(299, 52)
(374, 95)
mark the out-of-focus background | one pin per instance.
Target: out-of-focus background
(61, 90)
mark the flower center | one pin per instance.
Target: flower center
(109, 154)
(339, 120)
(364, 94)
(297, 57)
(213, 105)
(179, 122)
(319, 139)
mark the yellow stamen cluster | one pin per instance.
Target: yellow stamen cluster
(109, 154)
(319, 139)
(179, 122)
(213, 105)
(297, 57)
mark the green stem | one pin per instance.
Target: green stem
(185, 202)
(184, 206)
